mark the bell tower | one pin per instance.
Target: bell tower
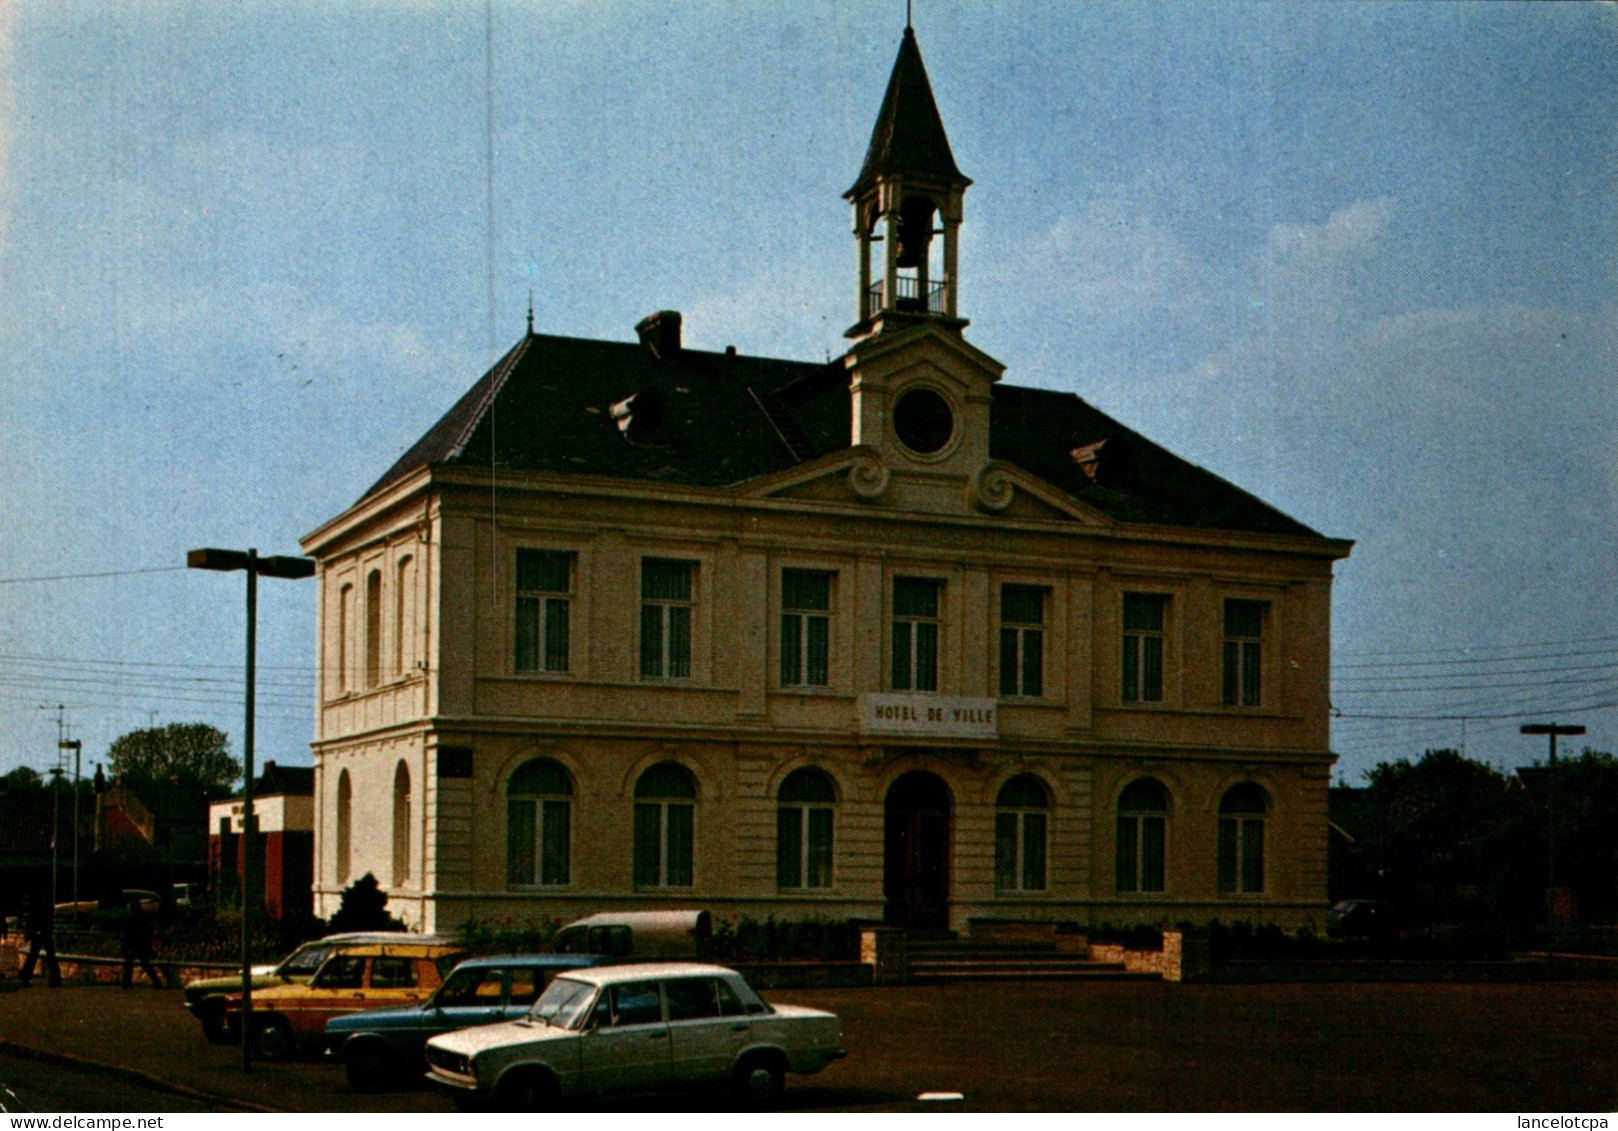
(907, 209)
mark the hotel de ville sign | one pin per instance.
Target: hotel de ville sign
(927, 716)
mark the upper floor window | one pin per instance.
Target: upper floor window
(404, 617)
(803, 830)
(1244, 652)
(539, 817)
(373, 628)
(666, 599)
(1019, 835)
(1241, 837)
(665, 826)
(345, 633)
(915, 634)
(1143, 647)
(805, 627)
(1022, 640)
(1142, 816)
(544, 585)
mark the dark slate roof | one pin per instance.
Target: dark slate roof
(1135, 480)
(909, 135)
(289, 781)
(547, 406)
(719, 420)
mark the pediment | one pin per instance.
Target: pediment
(858, 476)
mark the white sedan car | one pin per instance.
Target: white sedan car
(631, 1029)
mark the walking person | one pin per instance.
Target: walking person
(137, 945)
(40, 931)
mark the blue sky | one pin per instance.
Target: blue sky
(1362, 260)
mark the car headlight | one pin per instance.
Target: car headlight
(456, 1063)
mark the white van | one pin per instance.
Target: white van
(639, 936)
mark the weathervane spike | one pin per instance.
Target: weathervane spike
(530, 310)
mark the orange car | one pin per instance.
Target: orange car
(290, 1018)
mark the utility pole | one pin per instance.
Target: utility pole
(1553, 730)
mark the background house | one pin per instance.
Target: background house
(283, 810)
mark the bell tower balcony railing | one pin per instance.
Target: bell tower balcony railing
(908, 297)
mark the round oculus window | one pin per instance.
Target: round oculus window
(923, 421)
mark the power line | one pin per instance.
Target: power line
(1483, 717)
(235, 668)
(87, 576)
(1475, 660)
(1559, 682)
(1502, 647)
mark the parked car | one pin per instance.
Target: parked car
(639, 936)
(633, 1028)
(205, 997)
(1362, 919)
(382, 1046)
(289, 1019)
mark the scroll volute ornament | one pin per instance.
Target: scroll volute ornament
(868, 477)
(991, 489)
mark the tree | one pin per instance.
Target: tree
(189, 754)
(20, 780)
(1451, 835)
(1579, 801)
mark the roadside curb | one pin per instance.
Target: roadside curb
(67, 1060)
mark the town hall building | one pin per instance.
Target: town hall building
(886, 638)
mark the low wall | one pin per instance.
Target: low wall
(1185, 957)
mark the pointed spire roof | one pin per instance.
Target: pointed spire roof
(909, 135)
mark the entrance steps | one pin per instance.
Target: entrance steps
(943, 959)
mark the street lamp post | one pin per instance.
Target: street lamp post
(77, 747)
(56, 825)
(291, 568)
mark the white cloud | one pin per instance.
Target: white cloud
(1348, 230)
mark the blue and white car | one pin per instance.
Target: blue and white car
(636, 1028)
(380, 1047)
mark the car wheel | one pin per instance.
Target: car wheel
(371, 1067)
(759, 1080)
(272, 1039)
(526, 1091)
(213, 1024)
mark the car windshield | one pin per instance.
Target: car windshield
(563, 1003)
(305, 960)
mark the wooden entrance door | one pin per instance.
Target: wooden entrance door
(915, 876)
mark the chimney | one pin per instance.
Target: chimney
(660, 333)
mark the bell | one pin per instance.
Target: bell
(915, 231)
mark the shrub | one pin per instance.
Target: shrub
(364, 908)
(748, 940)
(508, 936)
